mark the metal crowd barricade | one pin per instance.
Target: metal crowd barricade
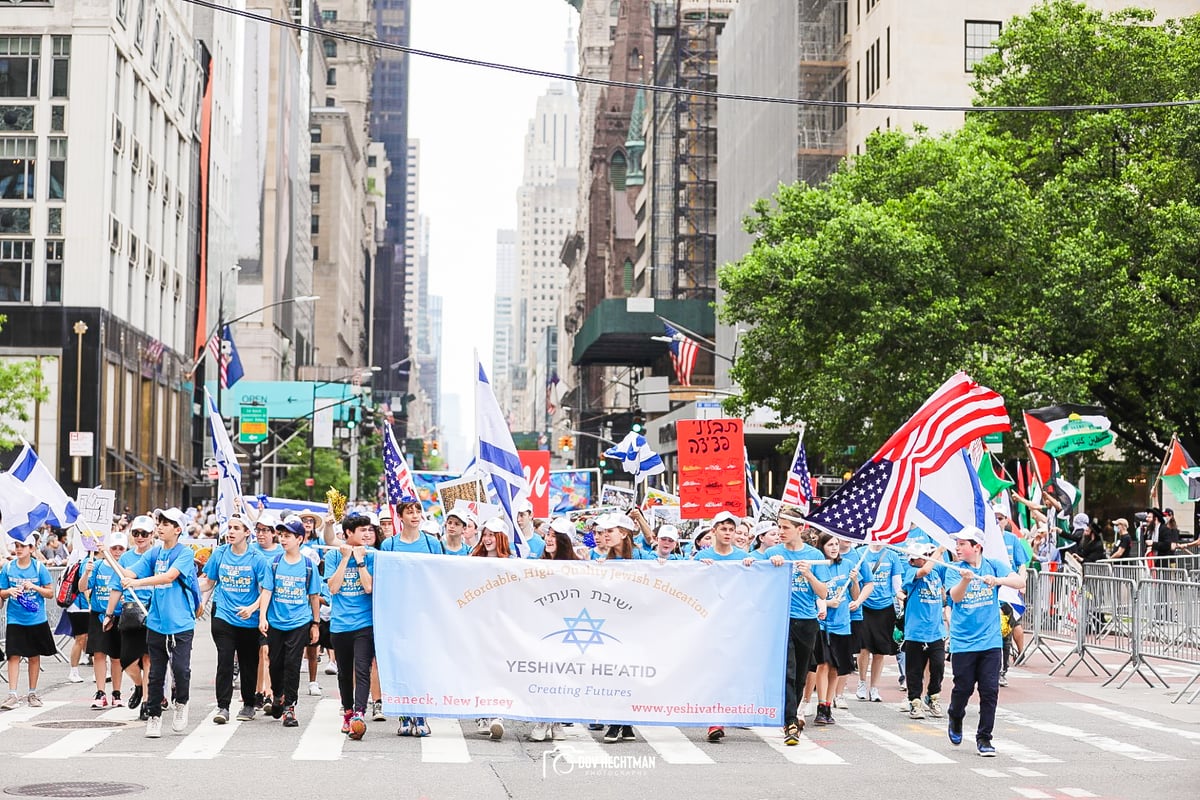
(1168, 621)
(1051, 613)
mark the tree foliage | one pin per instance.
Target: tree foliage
(1053, 256)
(329, 469)
(20, 387)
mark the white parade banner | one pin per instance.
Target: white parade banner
(620, 642)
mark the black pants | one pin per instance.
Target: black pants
(982, 668)
(802, 638)
(231, 639)
(916, 656)
(355, 650)
(175, 648)
(285, 649)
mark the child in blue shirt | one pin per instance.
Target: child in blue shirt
(26, 583)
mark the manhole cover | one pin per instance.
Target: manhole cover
(79, 724)
(74, 789)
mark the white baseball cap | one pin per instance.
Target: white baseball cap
(669, 532)
(174, 516)
(562, 525)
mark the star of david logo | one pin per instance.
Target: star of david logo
(582, 631)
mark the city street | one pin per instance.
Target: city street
(1058, 737)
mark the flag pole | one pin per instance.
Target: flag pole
(1158, 477)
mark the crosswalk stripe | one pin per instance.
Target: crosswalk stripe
(1032, 794)
(1026, 755)
(911, 752)
(76, 743)
(25, 713)
(1073, 792)
(207, 740)
(673, 745)
(445, 743)
(989, 773)
(322, 739)
(1104, 743)
(578, 747)
(1025, 772)
(1136, 722)
(807, 753)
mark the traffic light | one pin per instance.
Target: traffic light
(433, 448)
(639, 421)
(352, 417)
(606, 468)
(566, 443)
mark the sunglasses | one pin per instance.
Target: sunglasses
(139, 534)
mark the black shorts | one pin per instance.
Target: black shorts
(325, 639)
(81, 622)
(101, 641)
(133, 645)
(29, 641)
(876, 635)
(834, 649)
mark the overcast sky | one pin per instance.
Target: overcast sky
(471, 123)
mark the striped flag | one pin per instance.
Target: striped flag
(878, 499)
(397, 478)
(798, 491)
(229, 472)
(230, 363)
(683, 354)
(755, 497)
(636, 457)
(498, 458)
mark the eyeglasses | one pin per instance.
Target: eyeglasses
(139, 534)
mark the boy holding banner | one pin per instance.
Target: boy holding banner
(350, 571)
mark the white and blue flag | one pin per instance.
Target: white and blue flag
(36, 480)
(497, 454)
(755, 497)
(20, 512)
(229, 472)
(636, 457)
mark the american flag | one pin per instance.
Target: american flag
(552, 393)
(396, 477)
(683, 354)
(230, 364)
(878, 499)
(798, 491)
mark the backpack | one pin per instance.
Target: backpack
(68, 589)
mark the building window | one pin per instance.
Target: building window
(170, 73)
(60, 70)
(122, 5)
(19, 66)
(316, 194)
(331, 77)
(316, 253)
(17, 118)
(330, 48)
(16, 220)
(370, 161)
(54, 221)
(329, 16)
(635, 60)
(155, 43)
(16, 270)
(316, 224)
(139, 28)
(626, 277)
(17, 156)
(58, 168)
(314, 134)
(616, 171)
(314, 163)
(873, 68)
(54, 270)
(614, 8)
(980, 38)
(330, 102)
(58, 119)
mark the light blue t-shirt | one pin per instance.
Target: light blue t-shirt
(127, 560)
(463, 550)
(884, 565)
(923, 604)
(100, 582)
(975, 621)
(239, 579)
(172, 607)
(351, 609)
(803, 604)
(37, 574)
(535, 545)
(736, 555)
(835, 576)
(1016, 551)
(424, 543)
(864, 577)
(636, 554)
(290, 607)
(271, 555)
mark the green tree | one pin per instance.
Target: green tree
(1054, 257)
(329, 469)
(20, 387)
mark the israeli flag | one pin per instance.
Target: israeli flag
(21, 512)
(37, 481)
(497, 454)
(636, 457)
(229, 472)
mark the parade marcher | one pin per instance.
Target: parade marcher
(764, 536)
(876, 640)
(98, 580)
(493, 543)
(666, 546)
(802, 616)
(312, 653)
(350, 571)
(79, 617)
(844, 581)
(387, 527)
(559, 545)
(534, 544)
(290, 620)
(240, 579)
(27, 584)
(923, 593)
(135, 659)
(975, 639)
(170, 568)
(457, 520)
(410, 538)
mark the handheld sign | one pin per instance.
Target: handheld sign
(712, 470)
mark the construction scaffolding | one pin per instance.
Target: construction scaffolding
(824, 33)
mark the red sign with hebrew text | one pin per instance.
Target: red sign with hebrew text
(537, 472)
(712, 467)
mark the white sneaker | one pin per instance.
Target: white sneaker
(557, 733)
(483, 726)
(74, 676)
(496, 729)
(331, 669)
(12, 702)
(314, 689)
(179, 723)
(861, 691)
(840, 701)
(875, 696)
(154, 728)
(802, 712)
(539, 732)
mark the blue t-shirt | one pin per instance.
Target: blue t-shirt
(535, 545)
(239, 580)
(463, 550)
(803, 604)
(836, 576)
(275, 553)
(351, 609)
(127, 560)
(923, 604)
(102, 579)
(424, 543)
(736, 555)
(290, 608)
(864, 577)
(884, 565)
(636, 554)
(1016, 551)
(975, 620)
(172, 609)
(12, 576)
